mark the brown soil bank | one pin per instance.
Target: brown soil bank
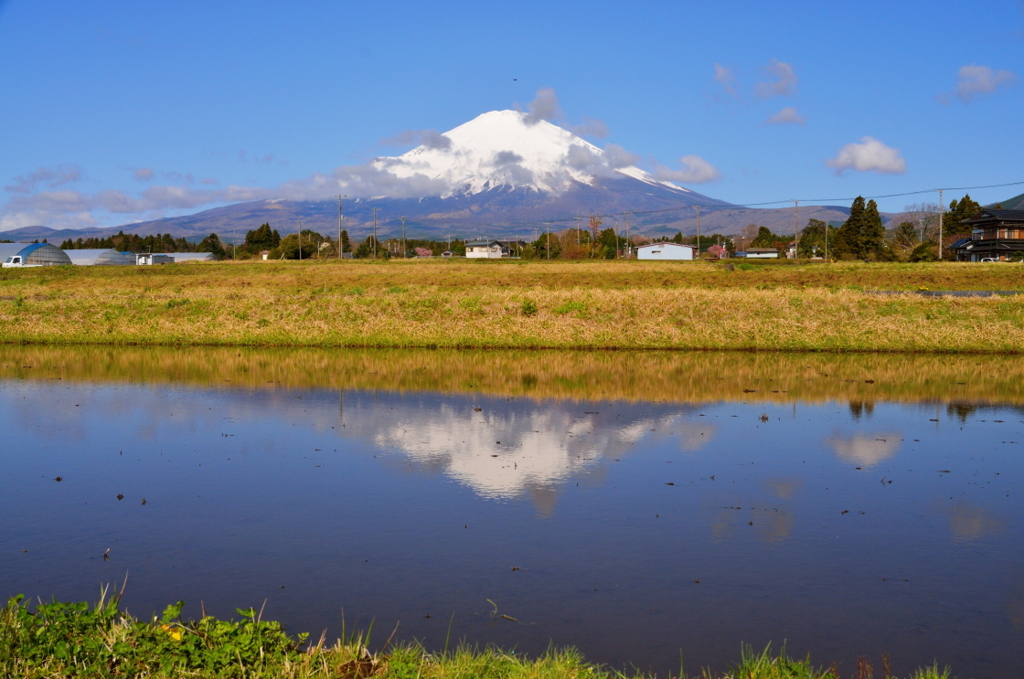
(470, 304)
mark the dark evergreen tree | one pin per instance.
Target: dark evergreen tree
(263, 238)
(607, 244)
(212, 245)
(365, 249)
(548, 245)
(346, 246)
(960, 211)
(764, 238)
(849, 237)
(812, 239)
(872, 232)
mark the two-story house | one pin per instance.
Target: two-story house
(995, 234)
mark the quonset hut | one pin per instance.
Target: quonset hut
(32, 254)
(99, 257)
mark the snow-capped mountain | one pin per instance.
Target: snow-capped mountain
(510, 150)
(504, 174)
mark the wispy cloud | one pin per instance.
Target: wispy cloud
(783, 80)
(51, 177)
(44, 197)
(974, 81)
(694, 170)
(868, 155)
(590, 127)
(725, 77)
(619, 157)
(265, 159)
(787, 116)
(544, 106)
(432, 139)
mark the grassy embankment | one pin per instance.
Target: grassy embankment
(481, 304)
(74, 640)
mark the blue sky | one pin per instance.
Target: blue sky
(113, 112)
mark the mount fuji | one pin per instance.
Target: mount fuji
(503, 174)
(509, 150)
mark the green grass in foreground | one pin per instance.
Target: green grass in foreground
(74, 640)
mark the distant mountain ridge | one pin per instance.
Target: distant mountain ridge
(501, 175)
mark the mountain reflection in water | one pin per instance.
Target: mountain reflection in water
(638, 506)
(511, 448)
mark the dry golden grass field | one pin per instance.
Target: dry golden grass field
(519, 304)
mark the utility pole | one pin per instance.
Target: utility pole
(628, 242)
(698, 230)
(826, 244)
(796, 229)
(340, 218)
(921, 222)
(942, 208)
(547, 240)
(300, 240)
(375, 233)
(405, 250)
(577, 231)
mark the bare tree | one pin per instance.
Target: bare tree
(924, 217)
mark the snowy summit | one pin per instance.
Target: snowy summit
(510, 150)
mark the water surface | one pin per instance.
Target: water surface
(640, 506)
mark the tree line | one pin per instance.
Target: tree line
(161, 242)
(862, 236)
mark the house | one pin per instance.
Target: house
(666, 250)
(996, 234)
(483, 249)
(762, 253)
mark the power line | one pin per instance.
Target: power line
(740, 206)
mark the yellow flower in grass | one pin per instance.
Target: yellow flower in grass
(172, 632)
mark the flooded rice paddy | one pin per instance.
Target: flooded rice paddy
(643, 507)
